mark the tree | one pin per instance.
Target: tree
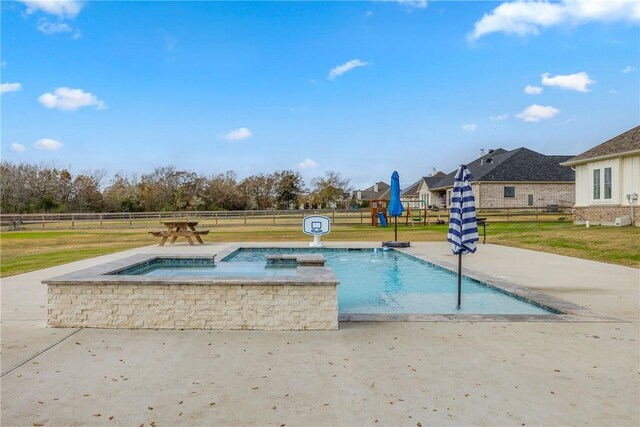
(169, 189)
(85, 194)
(188, 191)
(221, 192)
(329, 189)
(289, 188)
(259, 191)
(122, 194)
(33, 188)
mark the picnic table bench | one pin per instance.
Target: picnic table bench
(179, 228)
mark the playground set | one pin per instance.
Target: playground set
(379, 216)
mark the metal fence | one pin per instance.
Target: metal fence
(260, 218)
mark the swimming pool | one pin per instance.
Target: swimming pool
(200, 267)
(392, 282)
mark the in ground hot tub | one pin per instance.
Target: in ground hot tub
(177, 292)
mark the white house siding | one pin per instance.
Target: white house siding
(424, 194)
(630, 176)
(625, 179)
(584, 182)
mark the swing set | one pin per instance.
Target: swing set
(417, 216)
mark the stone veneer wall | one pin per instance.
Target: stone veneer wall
(604, 214)
(194, 306)
(492, 195)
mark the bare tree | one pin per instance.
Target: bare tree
(329, 189)
(122, 194)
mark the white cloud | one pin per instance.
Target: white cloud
(238, 134)
(533, 90)
(412, 4)
(49, 28)
(471, 127)
(628, 69)
(60, 8)
(64, 98)
(347, 66)
(536, 112)
(10, 87)
(18, 148)
(578, 81)
(307, 164)
(499, 117)
(48, 144)
(528, 17)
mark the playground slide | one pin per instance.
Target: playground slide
(382, 220)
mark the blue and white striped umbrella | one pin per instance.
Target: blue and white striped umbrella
(463, 230)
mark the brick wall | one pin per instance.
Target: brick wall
(178, 306)
(603, 214)
(492, 194)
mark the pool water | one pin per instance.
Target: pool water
(202, 267)
(391, 282)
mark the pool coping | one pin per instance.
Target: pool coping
(101, 274)
(568, 311)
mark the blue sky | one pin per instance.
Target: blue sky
(359, 87)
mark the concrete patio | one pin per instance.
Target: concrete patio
(367, 373)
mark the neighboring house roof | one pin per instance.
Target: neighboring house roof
(414, 188)
(627, 142)
(519, 165)
(433, 179)
(383, 193)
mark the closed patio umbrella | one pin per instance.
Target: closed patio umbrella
(395, 208)
(463, 230)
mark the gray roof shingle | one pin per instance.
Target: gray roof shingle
(519, 165)
(433, 179)
(412, 190)
(628, 141)
(383, 193)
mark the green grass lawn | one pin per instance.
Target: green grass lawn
(24, 251)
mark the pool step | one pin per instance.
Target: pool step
(294, 260)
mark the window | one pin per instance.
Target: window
(530, 199)
(509, 191)
(607, 183)
(596, 184)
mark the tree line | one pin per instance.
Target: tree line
(33, 188)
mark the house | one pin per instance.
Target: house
(378, 191)
(607, 178)
(418, 195)
(516, 178)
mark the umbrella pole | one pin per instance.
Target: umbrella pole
(459, 279)
(396, 229)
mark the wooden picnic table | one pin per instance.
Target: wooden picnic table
(180, 228)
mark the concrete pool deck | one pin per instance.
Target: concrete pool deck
(384, 373)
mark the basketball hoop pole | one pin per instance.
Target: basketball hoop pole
(316, 241)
